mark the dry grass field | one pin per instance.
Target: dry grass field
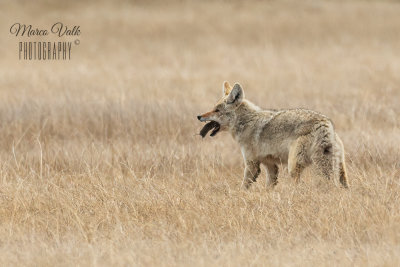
(100, 164)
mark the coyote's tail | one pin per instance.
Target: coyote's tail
(323, 148)
(324, 137)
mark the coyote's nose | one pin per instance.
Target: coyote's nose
(199, 117)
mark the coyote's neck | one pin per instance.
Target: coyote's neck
(247, 117)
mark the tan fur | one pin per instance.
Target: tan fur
(297, 137)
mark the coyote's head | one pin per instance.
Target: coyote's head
(222, 115)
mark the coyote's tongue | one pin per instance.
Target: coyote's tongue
(208, 127)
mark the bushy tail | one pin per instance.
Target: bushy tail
(322, 149)
(342, 172)
(324, 137)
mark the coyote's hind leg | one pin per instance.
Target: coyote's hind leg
(323, 161)
(298, 157)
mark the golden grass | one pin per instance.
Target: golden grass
(100, 164)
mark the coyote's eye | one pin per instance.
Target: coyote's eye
(217, 110)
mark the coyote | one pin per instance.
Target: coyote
(297, 137)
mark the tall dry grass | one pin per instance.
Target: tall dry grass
(100, 164)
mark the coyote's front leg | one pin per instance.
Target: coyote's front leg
(251, 172)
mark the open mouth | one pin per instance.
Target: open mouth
(212, 125)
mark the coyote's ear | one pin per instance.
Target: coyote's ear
(236, 95)
(226, 88)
